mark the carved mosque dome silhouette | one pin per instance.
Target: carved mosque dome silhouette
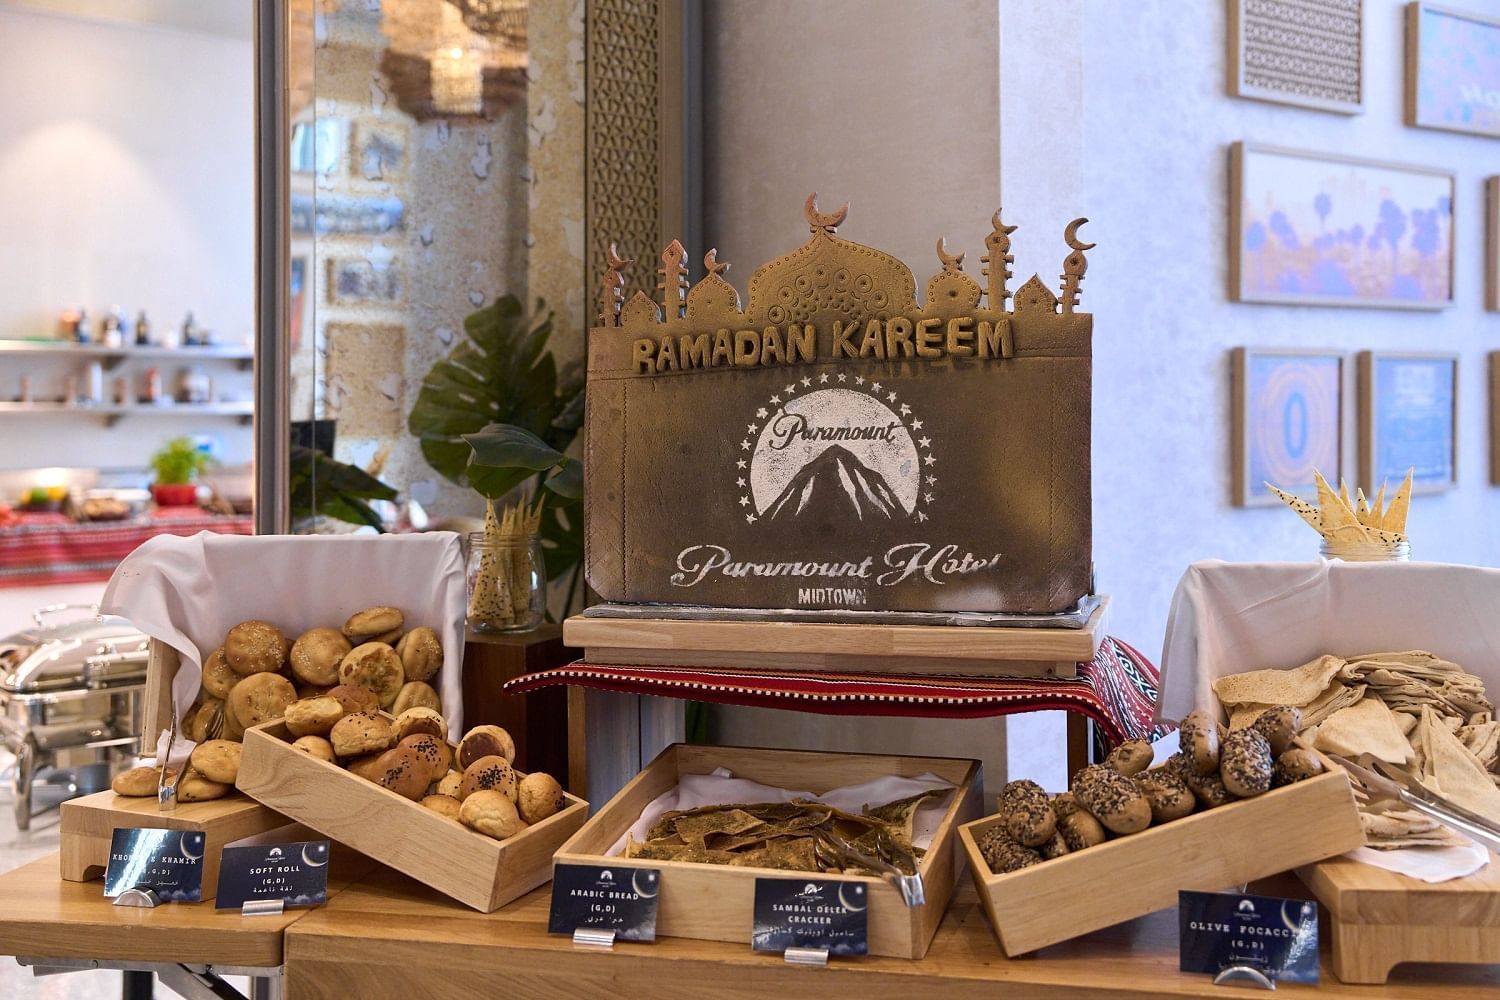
(950, 290)
(830, 278)
(713, 295)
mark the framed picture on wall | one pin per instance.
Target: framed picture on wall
(1408, 419)
(1288, 420)
(1494, 360)
(317, 146)
(1492, 244)
(1309, 54)
(380, 150)
(1452, 69)
(364, 281)
(1320, 229)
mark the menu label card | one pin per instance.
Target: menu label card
(295, 873)
(167, 861)
(621, 899)
(811, 914)
(1278, 937)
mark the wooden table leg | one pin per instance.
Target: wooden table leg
(1080, 739)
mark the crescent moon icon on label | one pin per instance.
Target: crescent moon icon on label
(844, 896)
(309, 861)
(643, 887)
(187, 837)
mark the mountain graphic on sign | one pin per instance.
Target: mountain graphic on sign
(836, 481)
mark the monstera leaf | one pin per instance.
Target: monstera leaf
(322, 486)
(500, 373)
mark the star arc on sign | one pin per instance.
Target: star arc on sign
(883, 394)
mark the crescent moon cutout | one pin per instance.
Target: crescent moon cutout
(945, 257)
(182, 845)
(844, 899)
(640, 890)
(1000, 226)
(826, 220)
(309, 861)
(1070, 235)
(615, 260)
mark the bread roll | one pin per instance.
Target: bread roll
(436, 756)
(1208, 789)
(376, 666)
(1113, 799)
(217, 760)
(1003, 854)
(491, 813)
(1245, 763)
(1278, 725)
(485, 741)
(373, 621)
(1029, 819)
(1295, 765)
(260, 698)
(404, 772)
(315, 746)
(358, 734)
(316, 656)
(488, 774)
(1168, 794)
(139, 782)
(1198, 736)
(314, 716)
(1131, 757)
(445, 805)
(218, 677)
(415, 694)
(538, 796)
(414, 721)
(255, 647)
(421, 654)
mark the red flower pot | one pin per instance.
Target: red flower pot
(175, 494)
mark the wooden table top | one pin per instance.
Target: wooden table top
(389, 935)
(43, 916)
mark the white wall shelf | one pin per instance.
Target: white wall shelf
(113, 413)
(112, 356)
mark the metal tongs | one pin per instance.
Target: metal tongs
(912, 891)
(1380, 779)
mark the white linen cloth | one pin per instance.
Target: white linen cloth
(188, 592)
(721, 788)
(1228, 618)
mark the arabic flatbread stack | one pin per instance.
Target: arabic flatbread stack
(1412, 709)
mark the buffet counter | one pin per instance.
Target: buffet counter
(45, 549)
(383, 934)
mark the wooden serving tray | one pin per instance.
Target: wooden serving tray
(1379, 919)
(86, 825)
(1132, 876)
(866, 647)
(716, 902)
(474, 869)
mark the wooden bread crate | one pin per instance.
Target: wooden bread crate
(87, 824)
(716, 902)
(1378, 919)
(1132, 876)
(474, 869)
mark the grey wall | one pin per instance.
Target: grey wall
(894, 107)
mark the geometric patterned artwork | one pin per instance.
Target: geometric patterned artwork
(1288, 421)
(1319, 229)
(1452, 70)
(1304, 52)
(1408, 406)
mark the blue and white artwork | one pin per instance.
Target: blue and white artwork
(1411, 421)
(1293, 420)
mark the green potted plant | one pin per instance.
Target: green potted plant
(176, 465)
(497, 415)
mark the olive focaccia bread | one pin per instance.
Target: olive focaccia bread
(261, 673)
(1125, 795)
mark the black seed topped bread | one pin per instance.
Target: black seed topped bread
(1168, 794)
(1028, 813)
(1198, 736)
(1245, 763)
(1131, 757)
(1207, 788)
(1113, 799)
(1278, 725)
(1003, 854)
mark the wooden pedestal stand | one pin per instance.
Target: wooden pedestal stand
(612, 736)
(538, 721)
(1378, 919)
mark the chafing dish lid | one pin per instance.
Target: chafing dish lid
(50, 657)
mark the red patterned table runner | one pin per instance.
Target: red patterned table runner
(40, 552)
(1116, 689)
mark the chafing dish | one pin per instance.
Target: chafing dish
(69, 692)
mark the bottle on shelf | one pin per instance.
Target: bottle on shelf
(111, 328)
(153, 386)
(193, 385)
(81, 326)
(95, 392)
(142, 330)
(122, 391)
(189, 332)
